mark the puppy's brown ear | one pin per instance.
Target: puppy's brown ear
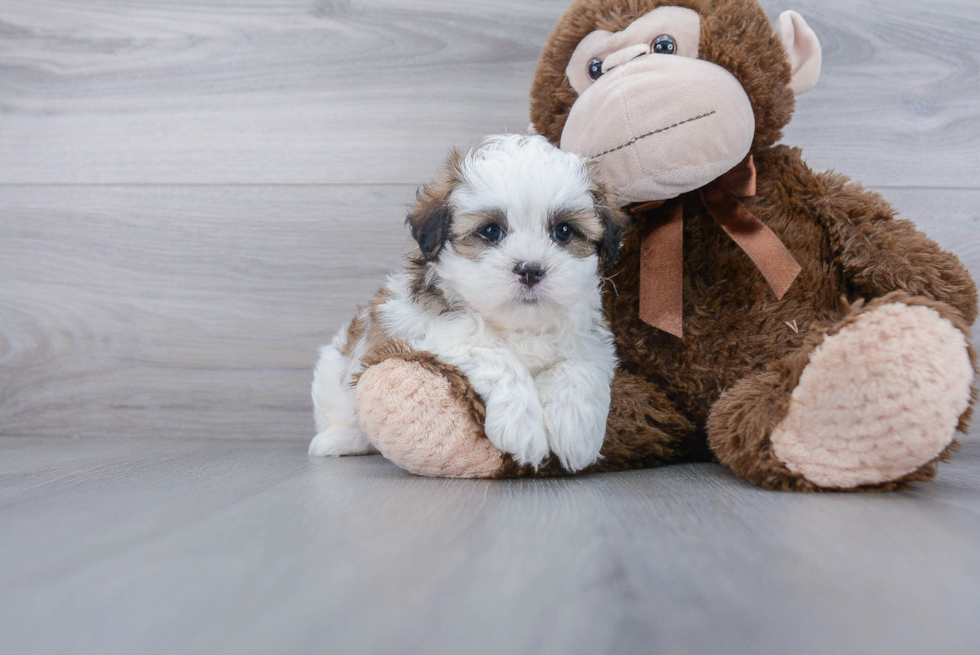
(429, 222)
(614, 224)
(432, 214)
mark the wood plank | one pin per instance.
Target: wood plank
(289, 92)
(375, 91)
(198, 547)
(196, 311)
(163, 311)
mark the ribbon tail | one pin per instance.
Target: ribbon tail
(662, 272)
(770, 255)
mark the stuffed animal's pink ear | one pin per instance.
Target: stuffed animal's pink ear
(803, 48)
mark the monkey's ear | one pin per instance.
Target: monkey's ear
(803, 48)
(429, 221)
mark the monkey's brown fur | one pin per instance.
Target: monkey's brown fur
(720, 391)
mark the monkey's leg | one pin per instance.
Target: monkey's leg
(872, 403)
(424, 416)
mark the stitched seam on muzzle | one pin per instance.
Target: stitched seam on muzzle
(662, 129)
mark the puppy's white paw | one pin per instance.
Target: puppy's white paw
(340, 440)
(576, 431)
(514, 424)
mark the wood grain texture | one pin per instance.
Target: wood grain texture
(196, 311)
(374, 91)
(299, 91)
(198, 547)
(155, 311)
(898, 103)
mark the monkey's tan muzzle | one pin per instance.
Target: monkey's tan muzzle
(659, 126)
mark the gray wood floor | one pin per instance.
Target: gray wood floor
(201, 546)
(194, 194)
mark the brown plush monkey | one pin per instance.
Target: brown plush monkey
(777, 320)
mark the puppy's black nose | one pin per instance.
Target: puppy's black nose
(530, 273)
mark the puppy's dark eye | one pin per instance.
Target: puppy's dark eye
(595, 69)
(664, 45)
(491, 233)
(563, 233)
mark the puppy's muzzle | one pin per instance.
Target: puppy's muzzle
(529, 273)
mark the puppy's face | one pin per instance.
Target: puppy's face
(517, 229)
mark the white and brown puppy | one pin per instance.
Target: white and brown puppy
(505, 286)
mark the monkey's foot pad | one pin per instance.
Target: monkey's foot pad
(412, 416)
(878, 399)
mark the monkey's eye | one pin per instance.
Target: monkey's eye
(664, 45)
(595, 69)
(491, 233)
(563, 233)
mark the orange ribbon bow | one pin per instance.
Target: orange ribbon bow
(662, 247)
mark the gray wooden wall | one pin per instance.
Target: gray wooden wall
(194, 194)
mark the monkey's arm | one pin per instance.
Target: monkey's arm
(879, 254)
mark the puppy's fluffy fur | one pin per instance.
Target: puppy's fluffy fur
(505, 285)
